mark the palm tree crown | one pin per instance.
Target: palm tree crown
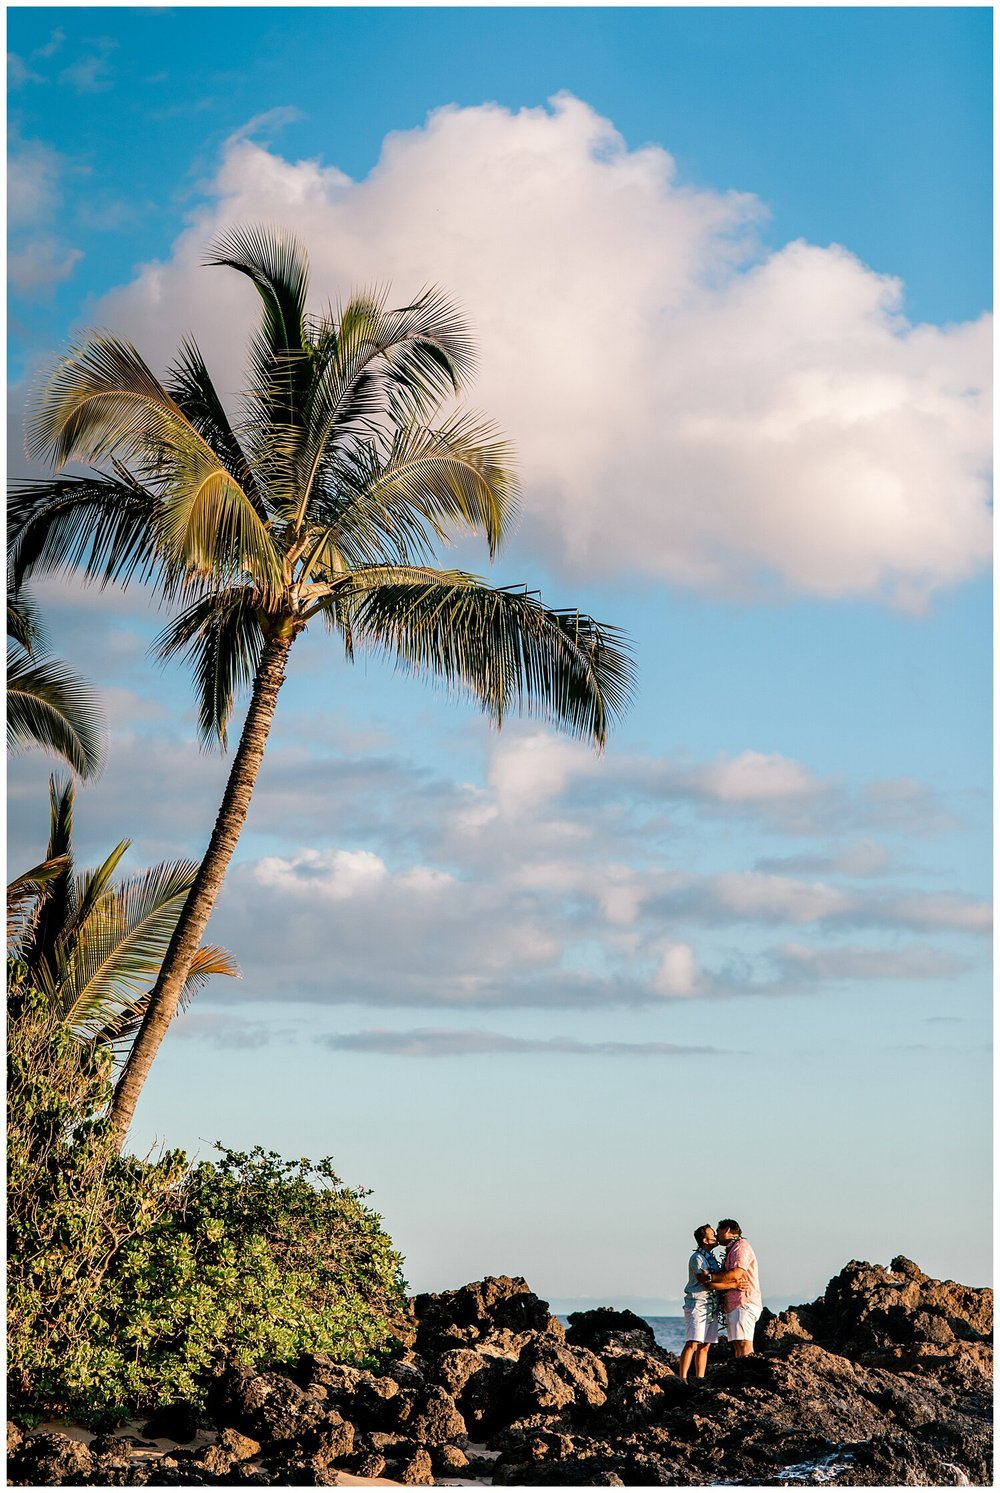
(325, 498)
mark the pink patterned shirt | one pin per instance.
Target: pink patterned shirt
(740, 1256)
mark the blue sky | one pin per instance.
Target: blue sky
(730, 271)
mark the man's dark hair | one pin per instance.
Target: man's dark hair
(731, 1225)
(700, 1232)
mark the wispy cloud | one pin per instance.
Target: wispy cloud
(54, 44)
(225, 1030)
(39, 256)
(40, 264)
(19, 72)
(861, 858)
(91, 73)
(441, 1042)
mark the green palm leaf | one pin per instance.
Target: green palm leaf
(460, 474)
(500, 645)
(23, 623)
(223, 637)
(92, 946)
(373, 362)
(110, 961)
(104, 527)
(103, 403)
(49, 706)
(209, 960)
(25, 896)
(190, 384)
(278, 266)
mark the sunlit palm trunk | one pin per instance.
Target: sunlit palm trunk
(208, 883)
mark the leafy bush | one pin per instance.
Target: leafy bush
(128, 1279)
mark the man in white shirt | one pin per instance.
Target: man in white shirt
(701, 1306)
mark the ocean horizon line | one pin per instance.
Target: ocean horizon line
(643, 1306)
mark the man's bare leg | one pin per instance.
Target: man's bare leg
(700, 1360)
(687, 1353)
(742, 1348)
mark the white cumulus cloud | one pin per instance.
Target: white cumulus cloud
(686, 405)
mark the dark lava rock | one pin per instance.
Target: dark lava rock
(640, 1387)
(481, 1385)
(332, 1440)
(435, 1419)
(175, 1422)
(372, 1464)
(267, 1407)
(499, 1310)
(409, 1371)
(416, 1470)
(552, 1376)
(448, 1460)
(301, 1472)
(49, 1458)
(605, 1328)
(320, 1371)
(885, 1316)
(227, 1451)
(172, 1472)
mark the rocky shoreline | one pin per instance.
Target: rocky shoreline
(885, 1380)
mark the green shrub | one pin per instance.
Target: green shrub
(128, 1278)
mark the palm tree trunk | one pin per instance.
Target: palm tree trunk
(166, 993)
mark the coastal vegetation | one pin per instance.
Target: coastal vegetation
(129, 1279)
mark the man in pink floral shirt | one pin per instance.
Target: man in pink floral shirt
(740, 1286)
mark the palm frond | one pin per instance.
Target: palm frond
(24, 625)
(209, 960)
(375, 365)
(190, 384)
(222, 636)
(104, 527)
(92, 885)
(461, 474)
(280, 363)
(49, 706)
(25, 896)
(57, 907)
(503, 646)
(102, 403)
(118, 949)
(277, 264)
(429, 350)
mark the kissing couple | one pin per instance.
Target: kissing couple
(722, 1294)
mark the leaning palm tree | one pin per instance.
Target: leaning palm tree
(93, 946)
(321, 502)
(48, 706)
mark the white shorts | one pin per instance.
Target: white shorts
(699, 1326)
(741, 1323)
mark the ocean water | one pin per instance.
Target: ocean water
(668, 1331)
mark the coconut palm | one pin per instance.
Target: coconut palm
(93, 946)
(48, 705)
(322, 502)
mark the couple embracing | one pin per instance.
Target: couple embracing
(723, 1291)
